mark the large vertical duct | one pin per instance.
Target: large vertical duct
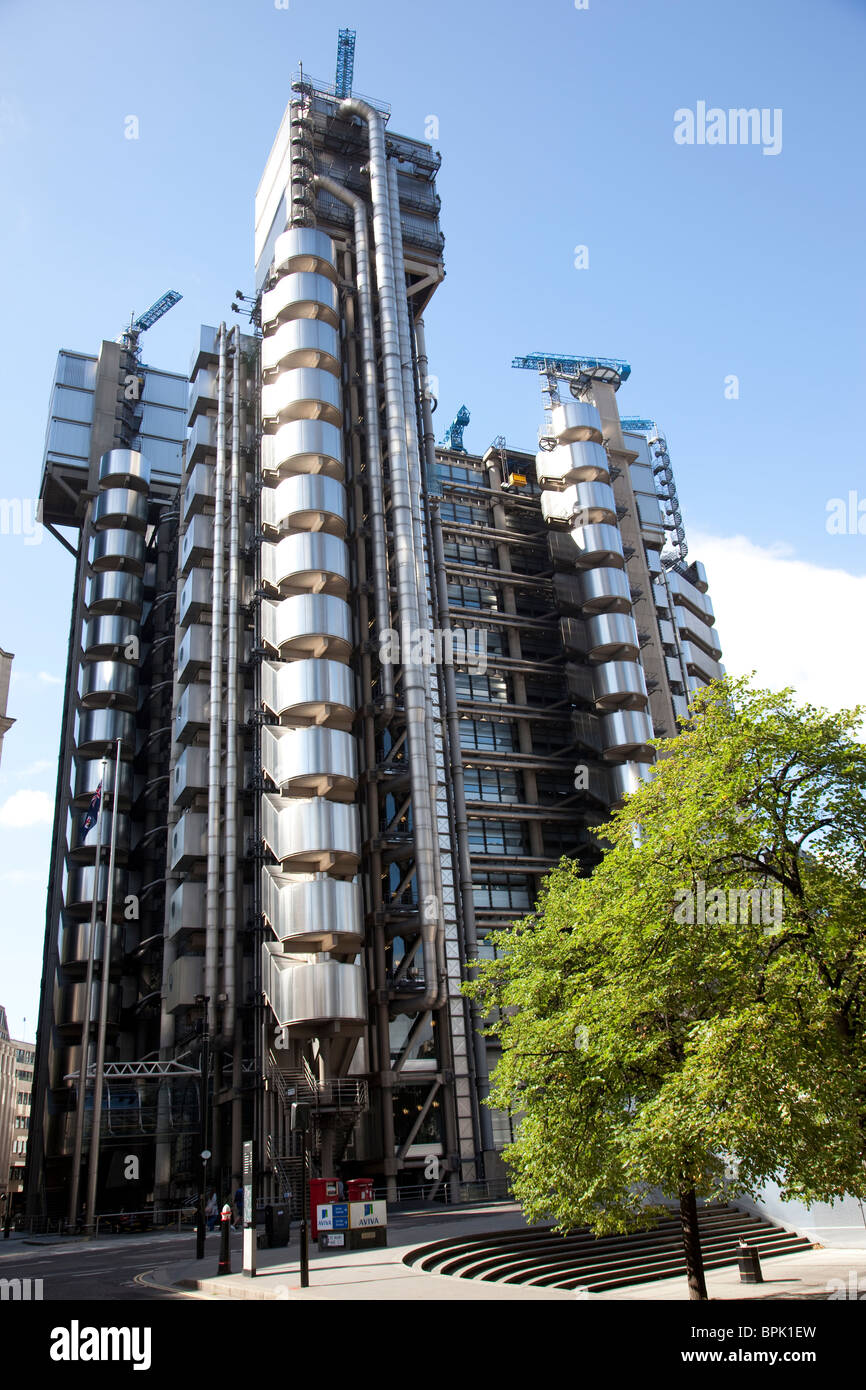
(401, 511)
(232, 1028)
(378, 534)
(212, 898)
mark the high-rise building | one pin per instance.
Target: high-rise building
(6, 659)
(363, 692)
(16, 1083)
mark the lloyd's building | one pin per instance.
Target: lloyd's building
(316, 814)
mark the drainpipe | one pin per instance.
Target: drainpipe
(401, 509)
(230, 1016)
(429, 440)
(371, 412)
(212, 913)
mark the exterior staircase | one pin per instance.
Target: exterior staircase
(539, 1257)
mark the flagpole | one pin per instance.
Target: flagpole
(74, 1185)
(96, 1128)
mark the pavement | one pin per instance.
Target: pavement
(381, 1274)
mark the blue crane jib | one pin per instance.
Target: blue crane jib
(561, 364)
(453, 437)
(345, 62)
(156, 311)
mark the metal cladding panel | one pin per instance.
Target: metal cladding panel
(80, 885)
(109, 684)
(306, 502)
(196, 597)
(597, 545)
(303, 393)
(202, 439)
(576, 420)
(305, 249)
(88, 775)
(302, 343)
(124, 468)
(193, 654)
(70, 1009)
(612, 634)
(314, 994)
(190, 775)
(99, 730)
(304, 295)
(311, 761)
(627, 777)
(308, 561)
(113, 592)
(698, 631)
(318, 623)
(118, 550)
(313, 913)
(604, 590)
(105, 638)
(82, 844)
(310, 829)
(186, 910)
(199, 488)
(627, 731)
(197, 544)
(121, 507)
(619, 683)
(685, 592)
(304, 446)
(185, 983)
(594, 501)
(189, 840)
(191, 716)
(698, 664)
(75, 942)
(580, 461)
(308, 689)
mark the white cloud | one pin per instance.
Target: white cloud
(47, 678)
(25, 808)
(791, 621)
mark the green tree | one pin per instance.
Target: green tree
(688, 1021)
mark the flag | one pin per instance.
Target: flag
(91, 815)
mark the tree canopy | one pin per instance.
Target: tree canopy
(690, 1019)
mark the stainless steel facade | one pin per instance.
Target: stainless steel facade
(367, 693)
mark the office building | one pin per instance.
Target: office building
(377, 688)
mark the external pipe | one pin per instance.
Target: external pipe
(96, 1129)
(231, 816)
(401, 510)
(75, 1176)
(212, 904)
(378, 534)
(423, 579)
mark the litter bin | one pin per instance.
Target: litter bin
(282, 1226)
(749, 1262)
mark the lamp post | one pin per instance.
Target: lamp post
(300, 1124)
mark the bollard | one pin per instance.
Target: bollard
(225, 1264)
(749, 1262)
(199, 1230)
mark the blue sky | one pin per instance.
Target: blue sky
(556, 130)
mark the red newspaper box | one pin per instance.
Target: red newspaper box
(322, 1190)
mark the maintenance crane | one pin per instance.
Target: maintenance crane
(161, 306)
(345, 62)
(453, 436)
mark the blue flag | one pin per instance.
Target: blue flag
(91, 815)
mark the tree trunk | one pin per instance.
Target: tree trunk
(692, 1244)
